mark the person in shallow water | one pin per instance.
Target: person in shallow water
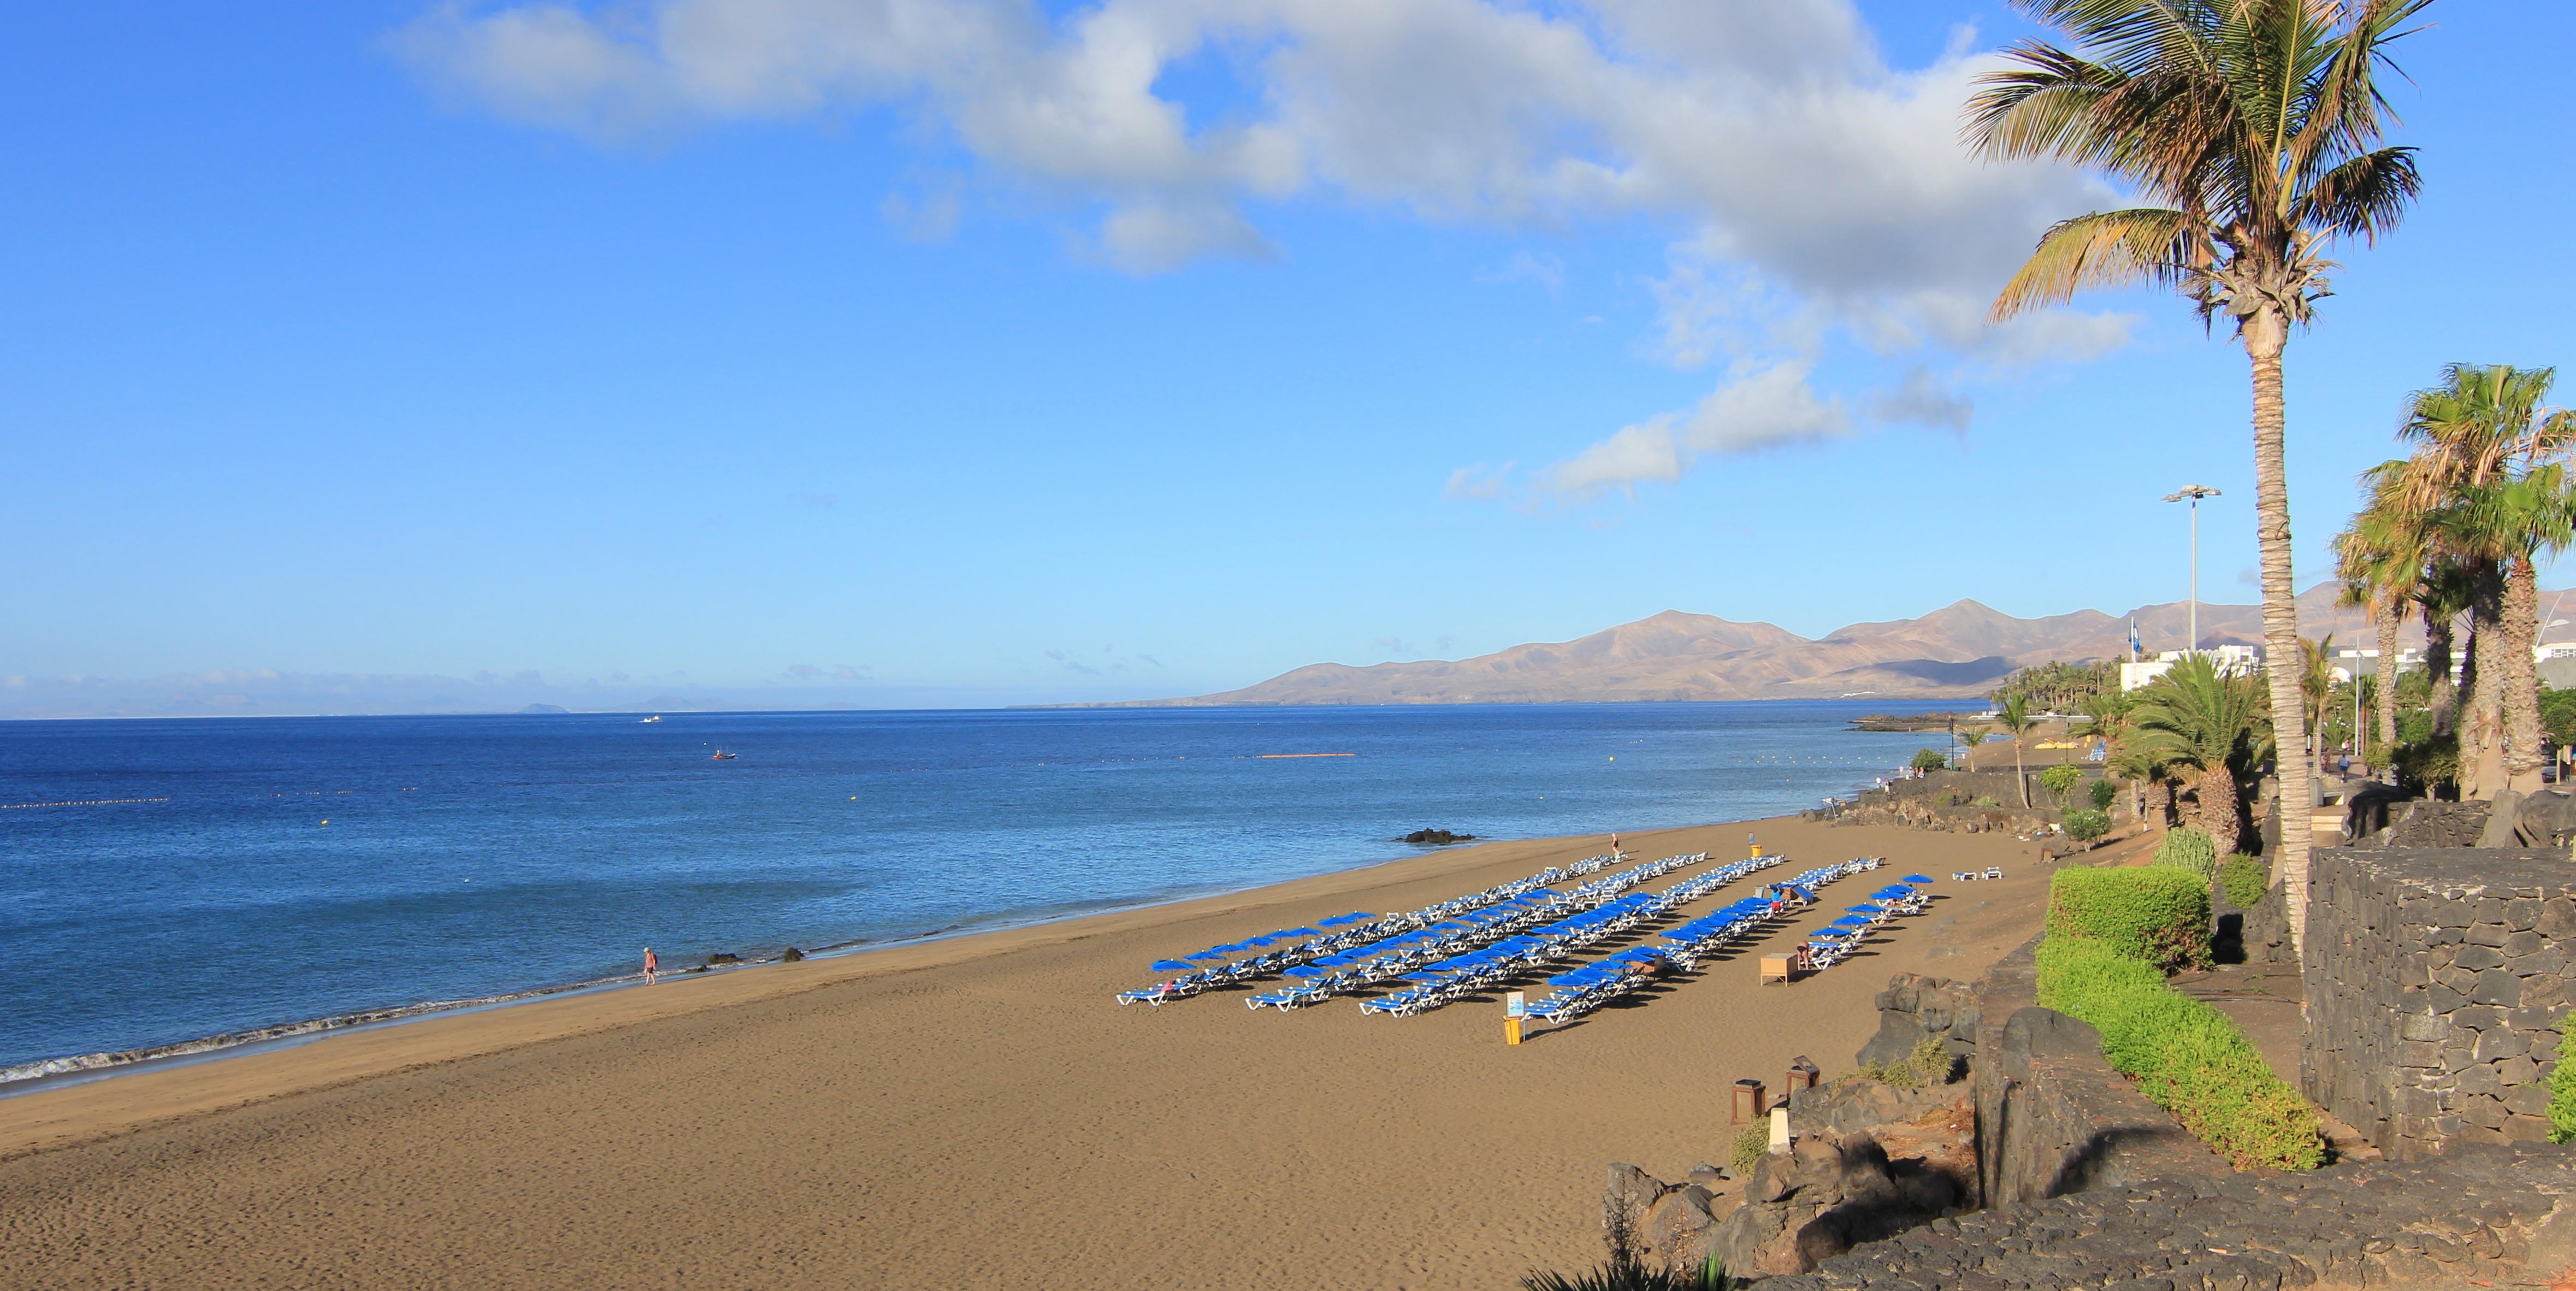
(652, 966)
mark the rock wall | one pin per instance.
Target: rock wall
(2482, 1215)
(1914, 1008)
(2436, 986)
(2052, 1115)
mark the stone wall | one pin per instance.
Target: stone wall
(2482, 1215)
(2436, 985)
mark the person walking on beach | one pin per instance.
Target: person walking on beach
(652, 966)
(1614, 842)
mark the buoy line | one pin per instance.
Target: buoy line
(86, 802)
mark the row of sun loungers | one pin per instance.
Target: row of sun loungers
(1280, 952)
(1453, 960)
(1587, 988)
(1427, 949)
(1835, 942)
(1440, 983)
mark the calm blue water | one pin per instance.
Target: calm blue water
(468, 856)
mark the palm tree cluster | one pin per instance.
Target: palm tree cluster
(2250, 132)
(2452, 534)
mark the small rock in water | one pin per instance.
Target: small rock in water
(723, 957)
(1436, 837)
(793, 956)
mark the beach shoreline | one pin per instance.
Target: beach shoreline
(904, 1092)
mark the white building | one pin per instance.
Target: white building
(2232, 661)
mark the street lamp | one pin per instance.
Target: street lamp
(2194, 493)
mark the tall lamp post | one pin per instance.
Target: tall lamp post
(2194, 493)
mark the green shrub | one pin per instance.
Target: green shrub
(2190, 849)
(2086, 825)
(2245, 880)
(1944, 798)
(1931, 760)
(2186, 1056)
(2562, 1101)
(1747, 1150)
(1633, 1275)
(2061, 779)
(2102, 792)
(2158, 916)
(1987, 800)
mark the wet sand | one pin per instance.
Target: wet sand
(968, 1112)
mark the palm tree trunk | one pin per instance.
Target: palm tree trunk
(2219, 809)
(2265, 332)
(2445, 699)
(2482, 721)
(2020, 776)
(2519, 677)
(2160, 803)
(2387, 704)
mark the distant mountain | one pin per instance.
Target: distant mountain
(1958, 651)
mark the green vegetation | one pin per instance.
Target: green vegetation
(2185, 1055)
(2157, 916)
(2062, 779)
(2558, 716)
(1627, 1270)
(2102, 792)
(2189, 849)
(2198, 718)
(1987, 800)
(1746, 1151)
(1931, 760)
(2060, 687)
(2245, 880)
(1930, 1063)
(2086, 824)
(2562, 1101)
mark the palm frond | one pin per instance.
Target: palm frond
(2364, 197)
(2103, 249)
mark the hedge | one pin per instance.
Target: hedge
(2562, 1100)
(2245, 880)
(2190, 849)
(2157, 916)
(2085, 824)
(2186, 1056)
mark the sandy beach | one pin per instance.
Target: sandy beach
(968, 1112)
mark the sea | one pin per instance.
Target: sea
(166, 881)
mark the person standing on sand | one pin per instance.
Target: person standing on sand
(1614, 842)
(652, 966)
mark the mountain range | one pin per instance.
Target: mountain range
(1959, 651)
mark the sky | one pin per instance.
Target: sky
(909, 353)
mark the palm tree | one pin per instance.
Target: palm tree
(2506, 526)
(2381, 561)
(2199, 718)
(2150, 778)
(2014, 716)
(2441, 600)
(2316, 687)
(2249, 128)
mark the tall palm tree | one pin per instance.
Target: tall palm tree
(2316, 688)
(2013, 714)
(2506, 526)
(2204, 719)
(2476, 436)
(2249, 129)
(2381, 561)
(2150, 779)
(2442, 599)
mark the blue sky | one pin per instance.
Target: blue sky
(928, 352)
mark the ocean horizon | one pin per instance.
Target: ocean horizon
(177, 878)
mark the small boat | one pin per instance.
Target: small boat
(721, 756)
(650, 720)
